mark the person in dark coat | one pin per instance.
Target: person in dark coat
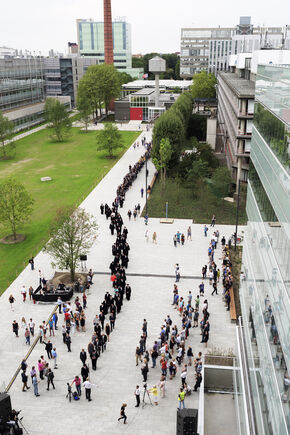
(128, 292)
(85, 372)
(83, 356)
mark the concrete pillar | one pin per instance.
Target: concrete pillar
(156, 90)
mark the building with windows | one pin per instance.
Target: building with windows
(209, 49)
(91, 43)
(235, 95)
(262, 378)
(62, 75)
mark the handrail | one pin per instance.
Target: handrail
(28, 354)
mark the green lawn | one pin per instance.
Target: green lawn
(182, 205)
(75, 167)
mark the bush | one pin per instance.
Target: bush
(221, 181)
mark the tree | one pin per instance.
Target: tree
(100, 85)
(220, 182)
(203, 85)
(72, 234)
(15, 205)
(196, 175)
(6, 129)
(58, 119)
(84, 106)
(165, 153)
(109, 139)
(109, 83)
(125, 78)
(170, 126)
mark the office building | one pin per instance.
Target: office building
(62, 75)
(262, 378)
(91, 43)
(208, 49)
(235, 94)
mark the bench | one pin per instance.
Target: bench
(151, 184)
(233, 312)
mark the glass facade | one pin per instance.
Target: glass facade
(265, 290)
(91, 41)
(21, 82)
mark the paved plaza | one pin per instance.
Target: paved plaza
(151, 276)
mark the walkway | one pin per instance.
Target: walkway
(117, 374)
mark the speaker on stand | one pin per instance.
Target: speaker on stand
(83, 259)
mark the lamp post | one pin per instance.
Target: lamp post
(237, 215)
(146, 206)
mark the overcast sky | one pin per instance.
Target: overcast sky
(39, 25)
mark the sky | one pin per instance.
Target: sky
(43, 25)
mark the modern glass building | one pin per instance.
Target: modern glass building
(91, 41)
(262, 378)
(21, 82)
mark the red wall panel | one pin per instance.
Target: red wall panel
(136, 113)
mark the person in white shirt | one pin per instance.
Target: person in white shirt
(23, 292)
(88, 387)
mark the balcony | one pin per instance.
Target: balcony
(244, 134)
(244, 115)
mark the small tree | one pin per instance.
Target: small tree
(15, 205)
(58, 119)
(109, 139)
(72, 234)
(84, 106)
(165, 153)
(221, 181)
(6, 129)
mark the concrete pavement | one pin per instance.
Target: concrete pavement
(117, 374)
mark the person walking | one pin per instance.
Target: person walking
(177, 272)
(123, 416)
(15, 328)
(138, 355)
(27, 336)
(189, 233)
(24, 378)
(142, 192)
(35, 383)
(24, 293)
(31, 262)
(214, 286)
(88, 389)
(154, 238)
(83, 356)
(54, 357)
(50, 377)
(198, 381)
(181, 396)
(154, 392)
(213, 219)
(11, 300)
(77, 382)
(68, 342)
(137, 395)
(48, 348)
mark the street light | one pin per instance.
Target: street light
(237, 215)
(146, 206)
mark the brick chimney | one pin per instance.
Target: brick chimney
(108, 33)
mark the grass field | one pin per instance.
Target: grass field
(182, 205)
(75, 167)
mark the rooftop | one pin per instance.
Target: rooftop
(241, 87)
(163, 84)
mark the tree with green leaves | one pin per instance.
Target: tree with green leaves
(125, 78)
(109, 83)
(6, 130)
(89, 89)
(73, 233)
(109, 139)
(220, 182)
(169, 125)
(58, 119)
(165, 153)
(196, 175)
(203, 85)
(15, 205)
(84, 106)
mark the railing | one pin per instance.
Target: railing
(27, 355)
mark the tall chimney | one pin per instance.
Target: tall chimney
(108, 33)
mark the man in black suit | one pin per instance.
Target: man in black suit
(83, 356)
(48, 348)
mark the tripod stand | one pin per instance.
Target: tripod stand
(21, 424)
(144, 395)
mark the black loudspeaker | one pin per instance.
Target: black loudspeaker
(83, 257)
(186, 423)
(5, 406)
